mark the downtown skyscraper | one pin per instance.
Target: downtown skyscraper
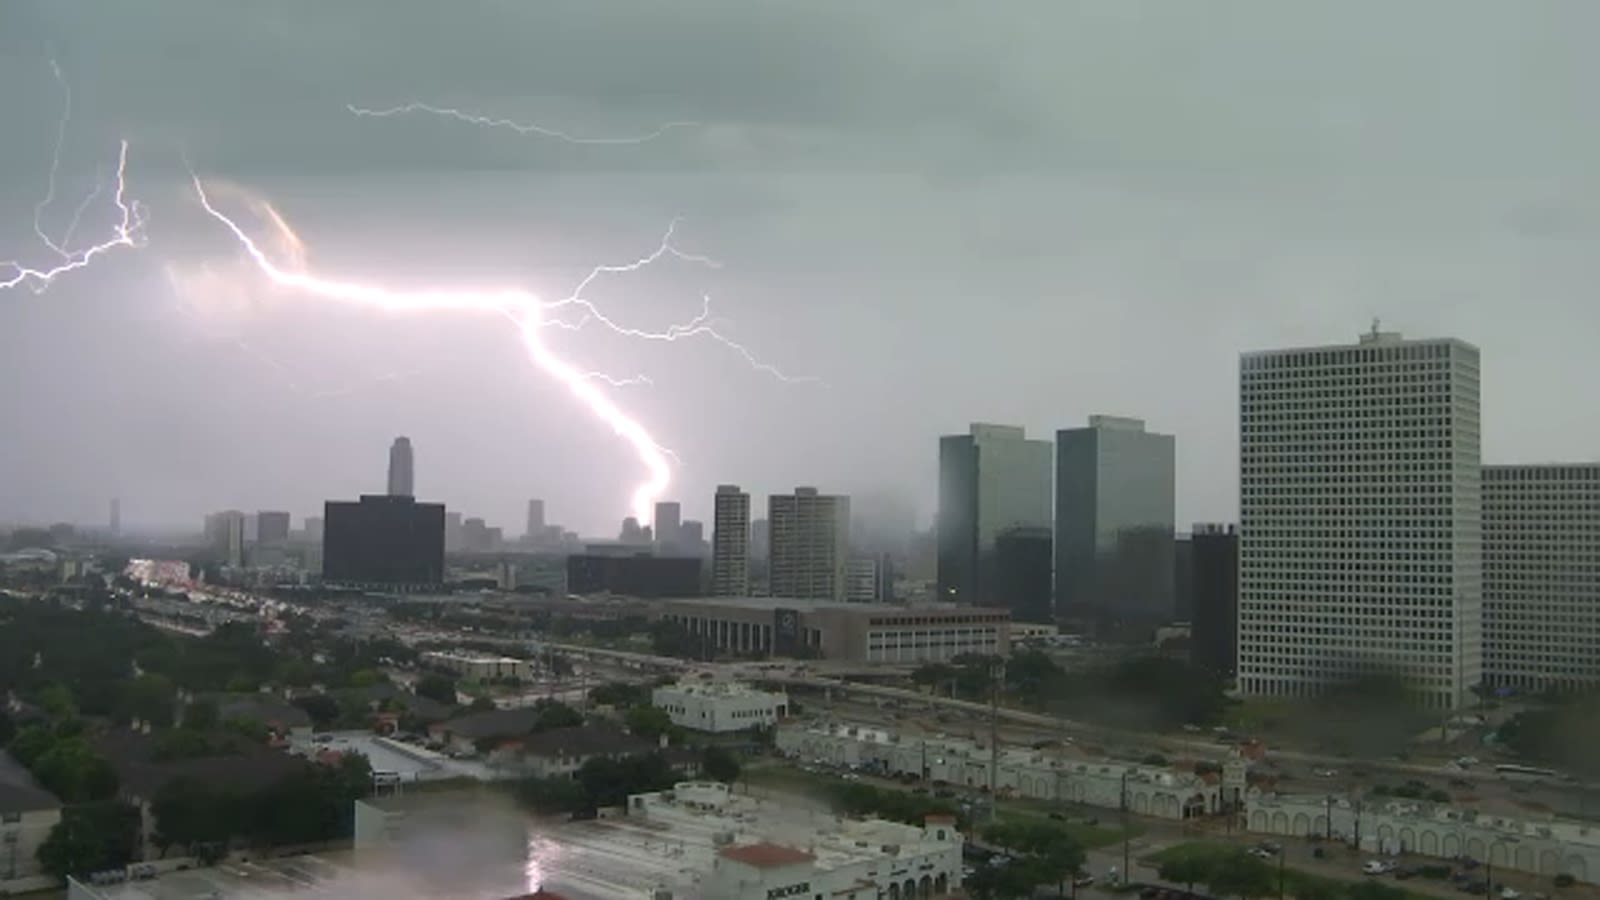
(991, 480)
(401, 483)
(1115, 505)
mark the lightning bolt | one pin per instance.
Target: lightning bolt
(530, 315)
(128, 231)
(446, 112)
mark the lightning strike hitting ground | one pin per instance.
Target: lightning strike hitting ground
(518, 127)
(530, 315)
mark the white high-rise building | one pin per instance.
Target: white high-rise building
(810, 545)
(730, 542)
(1361, 517)
(1541, 576)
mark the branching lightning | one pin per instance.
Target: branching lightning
(529, 314)
(287, 268)
(128, 231)
(410, 109)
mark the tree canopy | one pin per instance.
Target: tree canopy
(1144, 692)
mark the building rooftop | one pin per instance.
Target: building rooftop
(19, 792)
(766, 855)
(140, 771)
(718, 688)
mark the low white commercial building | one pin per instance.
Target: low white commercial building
(772, 856)
(1021, 772)
(479, 666)
(719, 706)
(1538, 846)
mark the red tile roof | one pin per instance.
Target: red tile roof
(766, 856)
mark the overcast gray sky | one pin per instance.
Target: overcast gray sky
(1023, 211)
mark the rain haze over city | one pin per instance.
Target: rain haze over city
(591, 449)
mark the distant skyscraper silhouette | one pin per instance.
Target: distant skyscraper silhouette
(535, 519)
(400, 468)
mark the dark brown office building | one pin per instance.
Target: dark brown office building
(383, 541)
(1214, 634)
(639, 575)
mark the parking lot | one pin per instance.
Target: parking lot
(409, 762)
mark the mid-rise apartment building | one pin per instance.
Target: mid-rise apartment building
(1361, 516)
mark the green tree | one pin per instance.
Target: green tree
(8, 728)
(72, 771)
(1241, 875)
(1044, 851)
(91, 838)
(437, 687)
(648, 722)
(202, 715)
(555, 714)
(57, 701)
(151, 697)
(31, 743)
(608, 782)
(620, 694)
(550, 795)
(718, 764)
(323, 709)
(190, 814)
(1186, 869)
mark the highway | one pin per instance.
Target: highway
(800, 674)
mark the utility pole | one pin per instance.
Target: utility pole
(999, 679)
(1125, 873)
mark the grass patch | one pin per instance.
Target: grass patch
(1296, 882)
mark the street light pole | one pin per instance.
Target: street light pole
(1282, 852)
(1488, 865)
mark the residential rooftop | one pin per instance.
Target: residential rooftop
(19, 791)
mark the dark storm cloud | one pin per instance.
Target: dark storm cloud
(262, 87)
(1025, 211)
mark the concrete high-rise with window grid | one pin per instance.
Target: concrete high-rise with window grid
(1541, 576)
(730, 542)
(810, 545)
(1361, 517)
